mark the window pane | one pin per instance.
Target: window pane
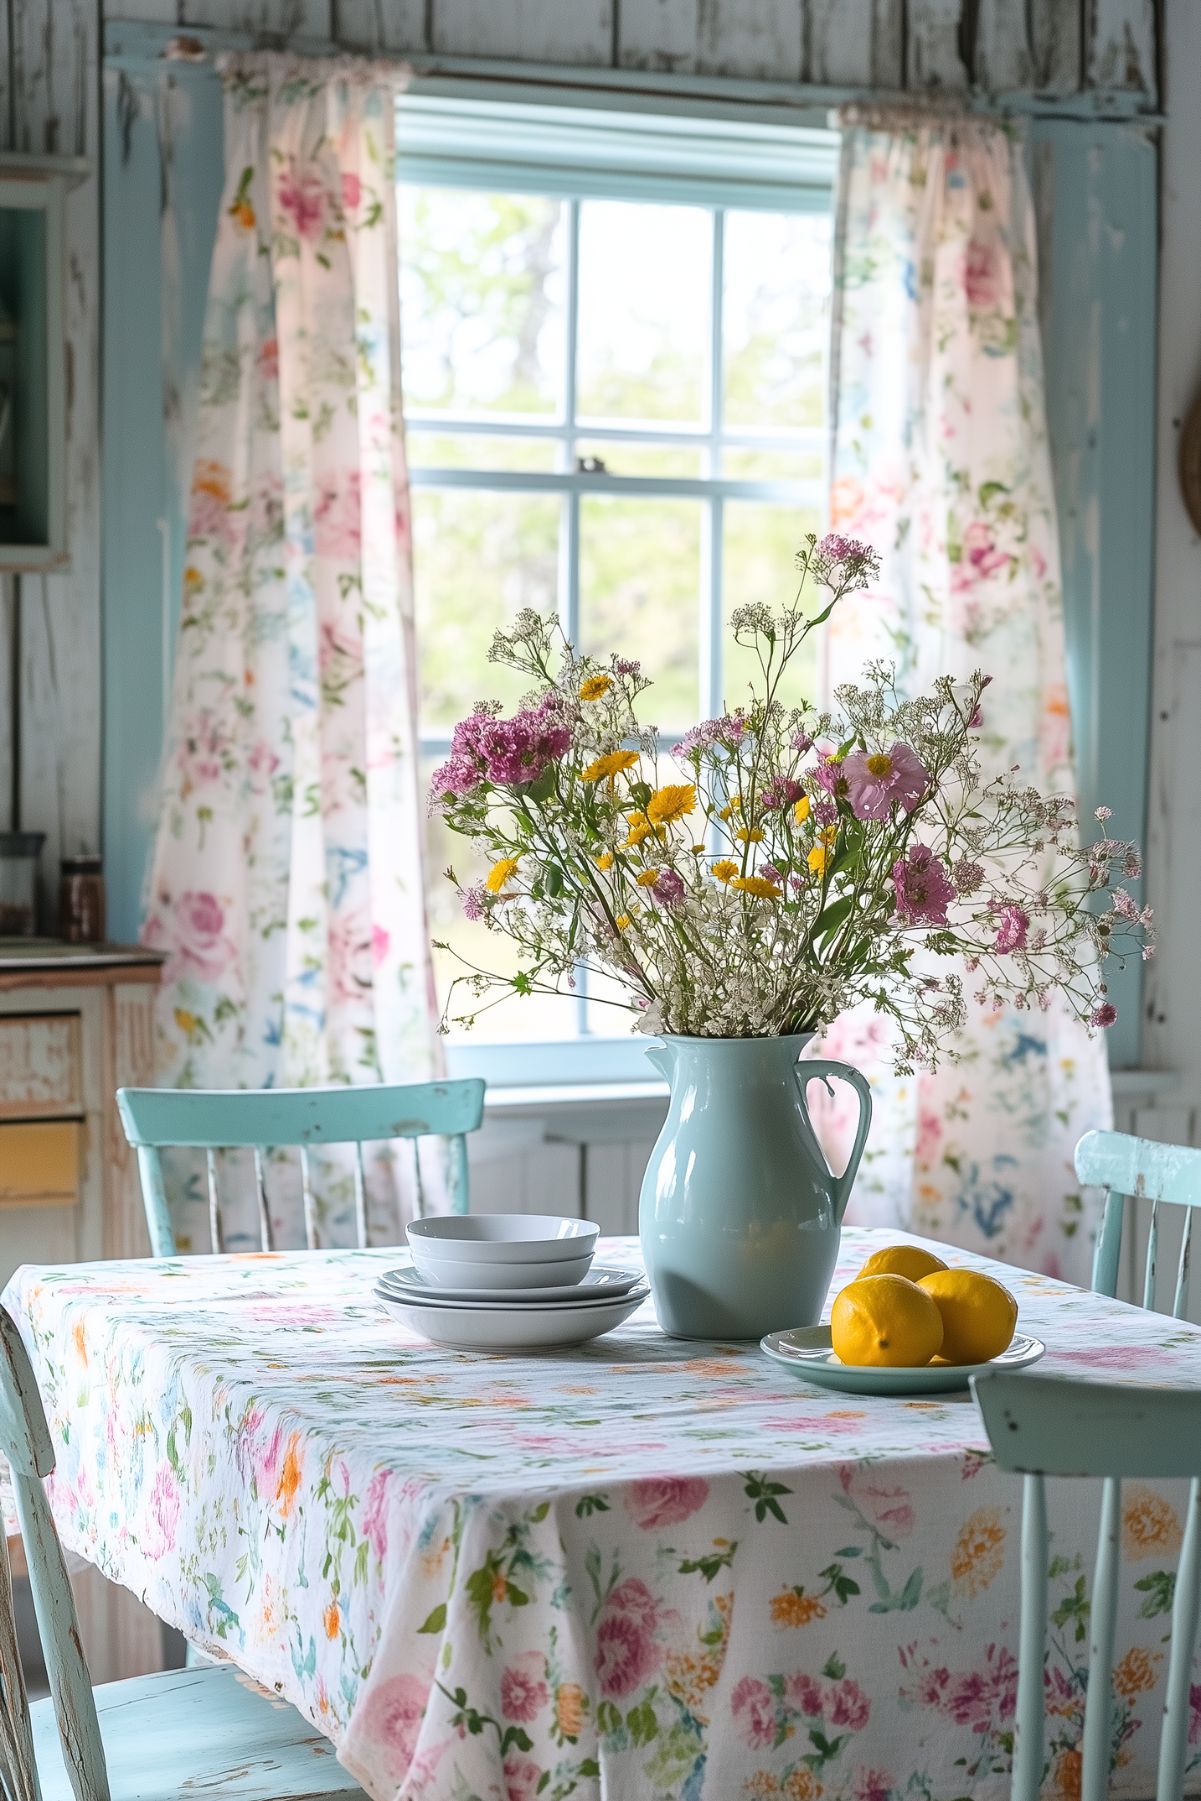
(479, 450)
(477, 558)
(773, 465)
(482, 298)
(640, 571)
(644, 310)
(623, 458)
(776, 318)
(527, 1018)
(761, 542)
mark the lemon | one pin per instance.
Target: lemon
(902, 1260)
(978, 1314)
(885, 1320)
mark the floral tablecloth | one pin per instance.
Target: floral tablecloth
(644, 1570)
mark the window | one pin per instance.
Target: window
(614, 373)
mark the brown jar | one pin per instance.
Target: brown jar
(81, 901)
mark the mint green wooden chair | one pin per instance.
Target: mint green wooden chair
(1123, 1166)
(1042, 1426)
(153, 1738)
(212, 1120)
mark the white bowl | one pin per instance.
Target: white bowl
(452, 1272)
(502, 1237)
(517, 1331)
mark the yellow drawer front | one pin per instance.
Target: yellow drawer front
(39, 1163)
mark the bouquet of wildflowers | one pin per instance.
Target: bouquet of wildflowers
(810, 861)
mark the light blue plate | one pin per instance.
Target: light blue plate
(808, 1353)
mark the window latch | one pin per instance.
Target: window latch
(590, 466)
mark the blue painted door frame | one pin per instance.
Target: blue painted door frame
(1096, 182)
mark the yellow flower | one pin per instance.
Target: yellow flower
(793, 1607)
(758, 885)
(622, 922)
(818, 858)
(724, 869)
(671, 803)
(595, 686)
(187, 1022)
(800, 811)
(1150, 1525)
(605, 860)
(979, 1551)
(1137, 1672)
(192, 577)
(609, 764)
(734, 806)
(698, 850)
(570, 1702)
(828, 834)
(640, 828)
(751, 835)
(500, 873)
(648, 878)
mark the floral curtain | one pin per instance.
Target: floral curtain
(940, 461)
(287, 884)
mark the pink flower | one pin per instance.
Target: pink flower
(374, 1523)
(872, 1785)
(805, 1694)
(665, 1500)
(381, 938)
(980, 550)
(984, 1699)
(523, 1690)
(888, 1509)
(391, 1717)
(922, 887)
(352, 189)
(781, 791)
(929, 1136)
(522, 1777)
(162, 1524)
(830, 774)
(849, 1706)
(302, 197)
(979, 275)
(1012, 930)
(1103, 1015)
(338, 517)
(877, 780)
(669, 889)
(754, 1710)
(268, 359)
(200, 940)
(262, 760)
(510, 752)
(1194, 1725)
(627, 1647)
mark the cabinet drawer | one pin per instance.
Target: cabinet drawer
(40, 1065)
(39, 1163)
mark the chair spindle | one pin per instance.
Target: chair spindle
(1180, 1299)
(1094, 1784)
(360, 1196)
(1186, 1612)
(1028, 1742)
(310, 1210)
(1152, 1257)
(16, 1733)
(216, 1235)
(266, 1235)
(418, 1183)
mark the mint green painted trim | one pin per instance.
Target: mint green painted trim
(1160, 1173)
(1098, 281)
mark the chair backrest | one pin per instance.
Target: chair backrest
(1123, 1166)
(25, 1441)
(212, 1120)
(1042, 1426)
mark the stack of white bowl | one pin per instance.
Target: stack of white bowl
(508, 1282)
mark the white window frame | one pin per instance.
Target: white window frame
(715, 164)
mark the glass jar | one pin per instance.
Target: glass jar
(19, 853)
(81, 901)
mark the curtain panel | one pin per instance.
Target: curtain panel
(940, 460)
(287, 884)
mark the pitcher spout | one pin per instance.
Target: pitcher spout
(659, 1055)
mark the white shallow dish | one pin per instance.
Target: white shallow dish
(452, 1272)
(492, 1238)
(808, 1352)
(578, 1301)
(603, 1280)
(512, 1330)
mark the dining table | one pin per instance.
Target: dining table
(645, 1568)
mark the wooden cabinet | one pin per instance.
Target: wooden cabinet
(76, 1023)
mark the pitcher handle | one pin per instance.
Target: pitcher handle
(822, 1068)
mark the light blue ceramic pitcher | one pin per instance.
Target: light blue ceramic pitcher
(740, 1216)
